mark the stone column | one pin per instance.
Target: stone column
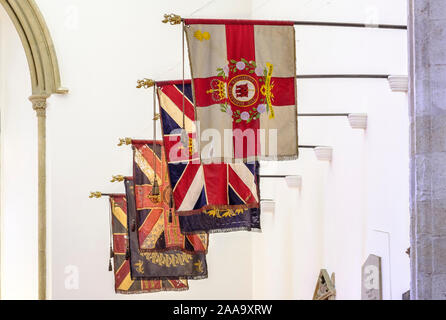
(39, 105)
(427, 96)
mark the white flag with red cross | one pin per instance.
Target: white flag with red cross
(244, 85)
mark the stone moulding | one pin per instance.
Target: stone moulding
(323, 153)
(358, 120)
(294, 181)
(399, 83)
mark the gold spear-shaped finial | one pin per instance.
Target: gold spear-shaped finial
(145, 83)
(172, 19)
(118, 178)
(125, 141)
(95, 195)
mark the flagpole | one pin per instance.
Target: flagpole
(350, 25)
(343, 76)
(129, 141)
(147, 83)
(174, 19)
(323, 114)
(98, 194)
(273, 176)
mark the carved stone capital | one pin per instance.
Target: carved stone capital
(39, 104)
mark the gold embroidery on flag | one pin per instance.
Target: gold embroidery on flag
(218, 90)
(139, 267)
(227, 213)
(202, 35)
(199, 266)
(267, 88)
(191, 146)
(168, 259)
(243, 84)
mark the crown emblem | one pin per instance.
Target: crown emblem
(218, 90)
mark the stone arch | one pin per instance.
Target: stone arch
(38, 45)
(45, 81)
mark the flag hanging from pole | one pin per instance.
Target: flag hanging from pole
(158, 223)
(123, 281)
(244, 85)
(212, 197)
(160, 263)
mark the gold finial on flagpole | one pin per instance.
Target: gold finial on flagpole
(118, 178)
(125, 141)
(172, 19)
(95, 195)
(145, 83)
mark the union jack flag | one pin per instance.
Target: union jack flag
(162, 262)
(123, 281)
(199, 187)
(157, 223)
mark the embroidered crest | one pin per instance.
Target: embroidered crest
(245, 87)
(243, 91)
(202, 35)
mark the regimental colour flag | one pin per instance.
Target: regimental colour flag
(208, 197)
(157, 221)
(123, 281)
(161, 263)
(244, 85)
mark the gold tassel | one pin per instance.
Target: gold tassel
(155, 194)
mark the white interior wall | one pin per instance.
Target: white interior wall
(365, 187)
(104, 46)
(18, 169)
